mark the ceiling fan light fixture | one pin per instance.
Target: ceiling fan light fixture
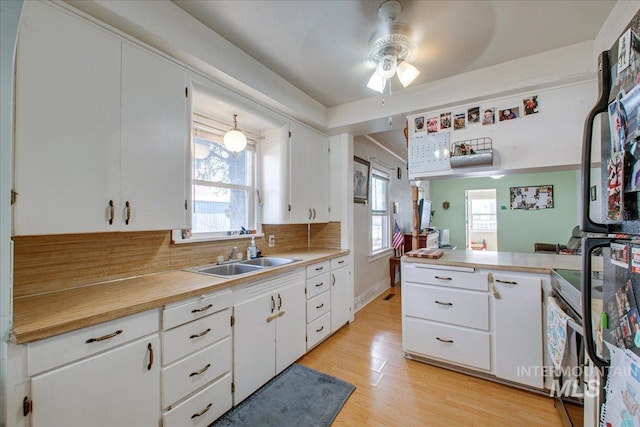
(376, 82)
(234, 140)
(407, 73)
(387, 66)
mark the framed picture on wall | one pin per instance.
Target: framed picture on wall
(532, 198)
(360, 180)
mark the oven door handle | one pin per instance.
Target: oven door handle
(588, 245)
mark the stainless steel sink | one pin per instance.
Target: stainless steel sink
(269, 261)
(228, 269)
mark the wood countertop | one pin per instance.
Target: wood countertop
(45, 315)
(509, 261)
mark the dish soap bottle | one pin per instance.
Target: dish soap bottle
(252, 250)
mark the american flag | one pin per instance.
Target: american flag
(398, 237)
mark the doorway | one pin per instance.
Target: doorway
(482, 220)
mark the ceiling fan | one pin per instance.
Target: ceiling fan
(391, 46)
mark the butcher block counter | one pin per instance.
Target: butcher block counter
(509, 261)
(45, 315)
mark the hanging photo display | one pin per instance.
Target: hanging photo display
(432, 125)
(473, 115)
(488, 116)
(530, 105)
(532, 198)
(509, 113)
(459, 121)
(614, 187)
(419, 124)
(445, 121)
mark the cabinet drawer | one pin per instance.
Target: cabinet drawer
(458, 307)
(421, 273)
(339, 262)
(318, 284)
(318, 268)
(447, 343)
(55, 351)
(193, 336)
(318, 306)
(202, 408)
(185, 311)
(318, 329)
(189, 374)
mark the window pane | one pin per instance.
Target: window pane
(212, 162)
(379, 232)
(219, 209)
(378, 194)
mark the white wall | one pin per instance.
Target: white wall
(550, 139)
(371, 275)
(9, 19)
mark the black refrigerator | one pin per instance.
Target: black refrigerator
(612, 312)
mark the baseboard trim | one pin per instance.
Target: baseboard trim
(371, 294)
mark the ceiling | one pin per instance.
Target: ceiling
(321, 46)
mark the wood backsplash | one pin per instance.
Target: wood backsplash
(57, 262)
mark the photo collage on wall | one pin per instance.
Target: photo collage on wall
(623, 164)
(477, 115)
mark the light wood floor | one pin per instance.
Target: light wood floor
(394, 391)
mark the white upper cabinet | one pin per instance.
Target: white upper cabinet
(295, 176)
(154, 141)
(67, 123)
(101, 130)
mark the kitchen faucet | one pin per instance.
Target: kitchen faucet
(233, 253)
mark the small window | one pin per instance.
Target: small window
(380, 233)
(223, 185)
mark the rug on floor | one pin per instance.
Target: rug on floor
(298, 396)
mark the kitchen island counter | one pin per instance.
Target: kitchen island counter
(509, 261)
(41, 316)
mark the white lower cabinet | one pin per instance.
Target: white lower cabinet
(342, 294)
(269, 330)
(518, 338)
(118, 385)
(196, 359)
(487, 321)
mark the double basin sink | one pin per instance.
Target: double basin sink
(242, 267)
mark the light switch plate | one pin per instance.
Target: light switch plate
(272, 240)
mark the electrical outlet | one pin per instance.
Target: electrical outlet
(272, 240)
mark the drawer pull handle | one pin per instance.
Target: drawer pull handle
(204, 411)
(320, 285)
(112, 212)
(128, 218)
(200, 310)
(443, 303)
(341, 262)
(447, 341)
(319, 268)
(279, 302)
(201, 371)
(443, 278)
(273, 304)
(506, 282)
(201, 334)
(320, 306)
(320, 330)
(333, 279)
(104, 337)
(150, 348)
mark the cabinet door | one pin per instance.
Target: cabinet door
(115, 388)
(154, 141)
(341, 297)
(309, 175)
(291, 327)
(518, 329)
(254, 345)
(67, 138)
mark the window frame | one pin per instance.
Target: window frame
(209, 130)
(378, 174)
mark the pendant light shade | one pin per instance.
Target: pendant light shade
(234, 140)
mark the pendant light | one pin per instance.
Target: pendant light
(234, 140)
